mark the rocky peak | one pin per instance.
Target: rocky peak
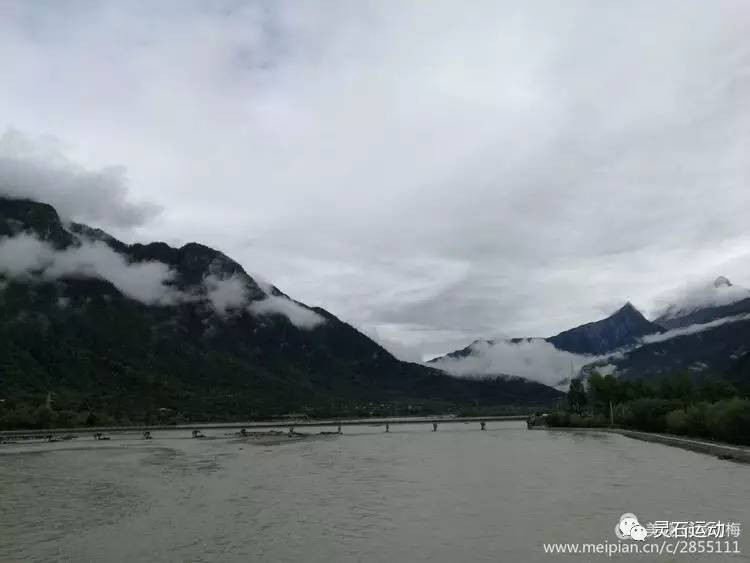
(623, 328)
(721, 281)
(32, 217)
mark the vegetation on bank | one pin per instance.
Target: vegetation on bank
(712, 408)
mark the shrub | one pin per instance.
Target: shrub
(696, 420)
(66, 419)
(564, 419)
(558, 418)
(677, 421)
(649, 414)
(729, 420)
(43, 417)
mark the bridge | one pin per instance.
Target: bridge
(428, 422)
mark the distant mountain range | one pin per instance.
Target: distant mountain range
(705, 331)
(708, 332)
(136, 330)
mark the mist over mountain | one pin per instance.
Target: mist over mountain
(706, 330)
(140, 327)
(555, 359)
(701, 303)
(133, 329)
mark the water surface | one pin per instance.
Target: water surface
(411, 495)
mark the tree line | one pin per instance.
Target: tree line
(712, 407)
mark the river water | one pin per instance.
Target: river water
(411, 495)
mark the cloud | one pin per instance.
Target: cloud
(25, 255)
(148, 282)
(692, 329)
(226, 294)
(696, 295)
(39, 170)
(400, 349)
(512, 168)
(534, 359)
(276, 303)
(298, 315)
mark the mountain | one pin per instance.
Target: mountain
(133, 331)
(707, 331)
(551, 360)
(739, 373)
(713, 348)
(704, 303)
(623, 328)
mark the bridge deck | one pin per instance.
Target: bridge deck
(297, 423)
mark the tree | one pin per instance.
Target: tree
(715, 389)
(605, 393)
(678, 386)
(576, 396)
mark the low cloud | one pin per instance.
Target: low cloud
(299, 316)
(39, 170)
(230, 295)
(25, 255)
(693, 296)
(692, 329)
(539, 360)
(276, 303)
(226, 294)
(534, 359)
(396, 348)
(148, 282)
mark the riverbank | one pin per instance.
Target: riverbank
(717, 449)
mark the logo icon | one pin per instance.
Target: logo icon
(629, 527)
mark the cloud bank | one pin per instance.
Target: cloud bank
(298, 315)
(147, 282)
(541, 361)
(25, 256)
(697, 295)
(39, 170)
(692, 329)
(226, 294)
(534, 359)
(433, 172)
(230, 295)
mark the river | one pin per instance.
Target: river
(410, 495)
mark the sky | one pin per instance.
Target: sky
(430, 172)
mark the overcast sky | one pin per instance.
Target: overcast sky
(431, 172)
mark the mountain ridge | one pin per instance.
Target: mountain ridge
(622, 328)
(704, 303)
(129, 330)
